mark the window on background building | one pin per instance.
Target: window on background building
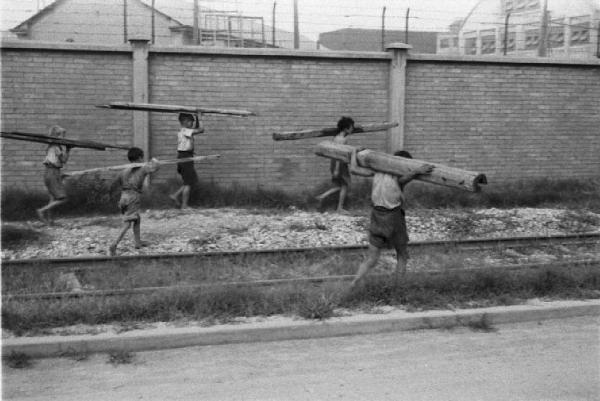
(455, 41)
(580, 30)
(532, 39)
(444, 43)
(471, 45)
(511, 43)
(488, 42)
(556, 34)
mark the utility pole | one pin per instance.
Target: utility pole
(383, 30)
(196, 37)
(296, 31)
(273, 23)
(542, 45)
(406, 25)
(506, 32)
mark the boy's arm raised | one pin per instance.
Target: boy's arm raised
(198, 126)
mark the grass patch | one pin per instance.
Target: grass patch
(18, 360)
(222, 303)
(15, 236)
(92, 194)
(120, 357)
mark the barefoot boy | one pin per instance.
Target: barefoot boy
(56, 157)
(190, 126)
(340, 176)
(132, 182)
(388, 223)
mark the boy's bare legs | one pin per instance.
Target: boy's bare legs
(401, 262)
(367, 265)
(343, 193)
(185, 196)
(321, 198)
(112, 250)
(44, 212)
(137, 235)
(175, 196)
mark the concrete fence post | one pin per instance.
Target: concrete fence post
(397, 93)
(141, 121)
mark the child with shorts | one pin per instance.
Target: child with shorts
(387, 228)
(190, 126)
(132, 182)
(56, 157)
(340, 176)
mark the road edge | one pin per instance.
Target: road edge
(153, 339)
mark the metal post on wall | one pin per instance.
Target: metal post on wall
(273, 24)
(124, 21)
(406, 24)
(506, 33)
(383, 30)
(296, 29)
(153, 23)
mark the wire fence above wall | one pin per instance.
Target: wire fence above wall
(465, 27)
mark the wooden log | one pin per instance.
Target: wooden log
(40, 138)
(170, 108)
(293, 135)
(386, 163)
(129, 165)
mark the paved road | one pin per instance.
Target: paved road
(549, 360)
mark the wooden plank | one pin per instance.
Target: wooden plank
(386, 163)
(170, 108)
(329, 131)
(129, 165)
(40, 138)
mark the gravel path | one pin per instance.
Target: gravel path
(197, 230)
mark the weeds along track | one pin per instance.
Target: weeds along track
(587, 263)
(151, 274)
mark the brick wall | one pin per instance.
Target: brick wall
(286, 93)
(508, 120)
(41, 88)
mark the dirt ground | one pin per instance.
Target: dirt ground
(198, 230)
(547, 360)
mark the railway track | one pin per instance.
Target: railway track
(98, 262)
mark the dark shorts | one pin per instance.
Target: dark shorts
(53, 181)
(344, 175)
(388, 230)
(130, 205)
(186, 169)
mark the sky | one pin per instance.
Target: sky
(315, 16)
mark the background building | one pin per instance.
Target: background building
(570, 29)
(169, 23)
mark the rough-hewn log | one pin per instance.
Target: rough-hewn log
(170, 108)
(129, 165)
(386, 163)
(76, 143)
(293, 135)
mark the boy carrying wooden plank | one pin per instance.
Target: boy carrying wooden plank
(132, 182)
(56, 157)
(387, 228)
(190, 125)
(340, 176)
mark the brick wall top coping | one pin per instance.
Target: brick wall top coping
(268, 52)
(503, 60)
